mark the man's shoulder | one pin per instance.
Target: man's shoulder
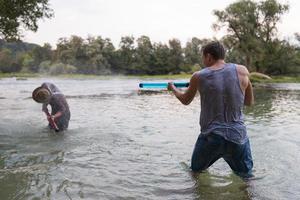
(242, 69)
(195, 75)
(202, 71)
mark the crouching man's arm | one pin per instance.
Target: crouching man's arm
(59, 103)
(45, 109)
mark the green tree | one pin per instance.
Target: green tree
(28, 63)
(125, 53)
(62, 52)
(251, 28)
(282, 58)
(26, 13)
(94, 55)
(297, 37)
(101, 54)
(143, 57)
(40, 54)
(192, 51)
(77, 51)
(73, 52)
(8, 61)
(5, 60)
(176, 59)
(161, 54)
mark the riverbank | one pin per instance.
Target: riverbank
(24, 76)
(18, 75)
(278, 79)
(91, 76)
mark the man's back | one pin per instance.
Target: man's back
(222, 100)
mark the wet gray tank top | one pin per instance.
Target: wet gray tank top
(222, 101)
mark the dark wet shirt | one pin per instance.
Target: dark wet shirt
(58, 103)
(222, 101)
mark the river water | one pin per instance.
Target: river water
(123, 143)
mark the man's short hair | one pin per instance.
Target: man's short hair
(215, 49)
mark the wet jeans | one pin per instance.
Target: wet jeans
(62, 123)
(209, 148)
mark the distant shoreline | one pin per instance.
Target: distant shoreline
(91, 76)
(24, 76)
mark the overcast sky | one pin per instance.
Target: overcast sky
(161, 20)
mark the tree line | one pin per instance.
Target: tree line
(97, 55)
(251, 40)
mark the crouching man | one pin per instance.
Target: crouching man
(49, 94)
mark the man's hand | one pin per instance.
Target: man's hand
(171, 86)
(50, 117)
(187, 96)
(57, 115)
(51, 120)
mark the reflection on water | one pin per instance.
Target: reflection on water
(124, 143)
(270, 103)
(210, 186)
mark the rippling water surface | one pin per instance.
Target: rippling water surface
(123, 143)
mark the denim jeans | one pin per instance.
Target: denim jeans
(62, 123)
(209, 148)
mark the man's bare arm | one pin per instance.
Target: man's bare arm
(249, 98)
(45, 109)
(245, 84)
(186, 97)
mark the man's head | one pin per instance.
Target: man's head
(41, 95)
(212, 52)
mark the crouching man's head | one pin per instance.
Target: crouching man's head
(41, 95)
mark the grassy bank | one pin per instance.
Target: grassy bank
(18, 75)
(278, 79)
(24, 76)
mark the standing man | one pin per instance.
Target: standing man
(224, 89)
(49, 94)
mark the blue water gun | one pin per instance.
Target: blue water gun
(163, 85)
